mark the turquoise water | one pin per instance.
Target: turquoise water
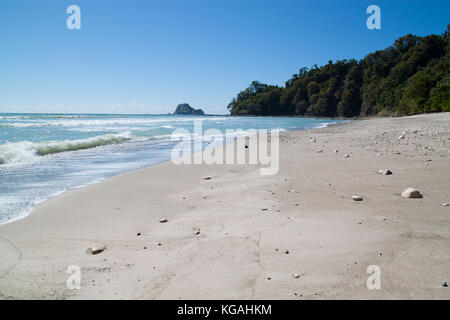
(43, 155)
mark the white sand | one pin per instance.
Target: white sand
(331, 239)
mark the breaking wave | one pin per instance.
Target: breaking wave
(25, 151)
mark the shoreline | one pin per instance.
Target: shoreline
(309, 213)
(30, 210)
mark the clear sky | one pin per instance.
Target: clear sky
(133, 56)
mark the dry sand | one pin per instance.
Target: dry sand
(240, 252)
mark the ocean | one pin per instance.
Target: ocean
(43, 155)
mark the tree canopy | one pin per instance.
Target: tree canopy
(412, 76)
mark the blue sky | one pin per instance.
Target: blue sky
(135, 56)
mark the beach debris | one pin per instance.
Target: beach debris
(445, 204)
(207, 178)
(347, 156)
(320, 151)
(401, 137)
(296, 275)
(264, 209)
(357, 198)
(444, 284)
(336, 150)
(297, 203)
(385, 172)
(197, 231)
(138, 234)
(269, 278)
(411, 193)
(163, 220)
(246, 146)
(286, 252)
(97, 248)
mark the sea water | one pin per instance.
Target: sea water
(43, 155)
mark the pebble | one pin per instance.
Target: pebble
(357, 198)
(264, 209)
(320, 151)
(138, 234)
(445, 204)
(163, 220)
(411, 193)
(296, 276)
(385, 172)
(444, 284)
(401, 137)
(347, 156)
(207, 178)
(97, 248)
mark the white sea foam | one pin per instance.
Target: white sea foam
(26, 151)
(104, 122)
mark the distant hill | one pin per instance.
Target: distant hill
(185, 108)
(411, 76)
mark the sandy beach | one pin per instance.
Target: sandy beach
(240, 235)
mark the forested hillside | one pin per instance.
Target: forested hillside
(411, 76)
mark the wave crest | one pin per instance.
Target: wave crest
(25, 151)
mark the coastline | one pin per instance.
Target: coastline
(330, 239)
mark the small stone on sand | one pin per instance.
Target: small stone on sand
(445, 204)
(385, 172)
(264, 209)
(347, 156)
(138, 234)
(163, 220)
(296, 275)
(207, 178)
(444, 284)
(320, 151)
(411, 193)
(357, 198)
(97, 248)
(401, 137)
